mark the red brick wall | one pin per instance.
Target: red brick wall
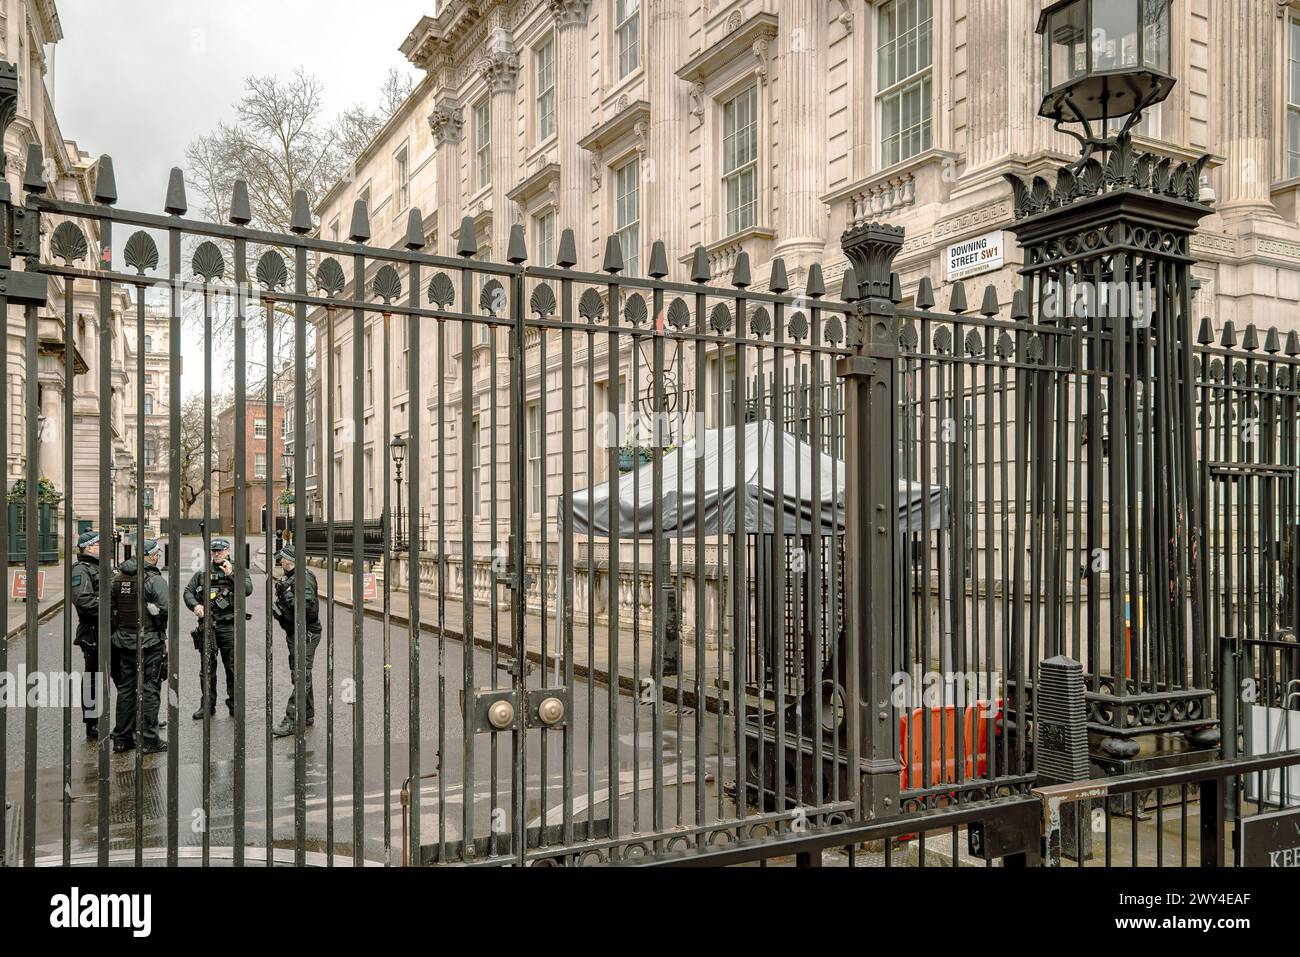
(272, 446)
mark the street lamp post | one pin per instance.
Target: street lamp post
(1103, 61)
(397, 447)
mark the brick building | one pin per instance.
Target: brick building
(264, 445)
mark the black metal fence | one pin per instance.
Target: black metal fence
(675, 543)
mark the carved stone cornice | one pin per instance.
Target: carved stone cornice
(570, 13)
(752, 36)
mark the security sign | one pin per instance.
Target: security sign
(18, 586)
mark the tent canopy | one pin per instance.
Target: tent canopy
(713, 453)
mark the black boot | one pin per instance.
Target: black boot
(198, 715)
(122, 745)
(285, 728)
(92, 732)
(159, 745)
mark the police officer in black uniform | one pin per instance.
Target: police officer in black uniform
(139, 575)
(283, 609)
(220, 605)
(85, 598)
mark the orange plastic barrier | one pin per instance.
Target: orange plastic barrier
(943, 743)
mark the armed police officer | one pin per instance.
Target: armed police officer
(85, 598)
(284, 611)
(139, 632)
(218, 606)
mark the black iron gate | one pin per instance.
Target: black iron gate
(649, 602)
(579, 623)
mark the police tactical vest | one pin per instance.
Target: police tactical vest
(221, 596)
(126, 610)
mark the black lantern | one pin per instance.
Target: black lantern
(1104, 60)
(398, 448)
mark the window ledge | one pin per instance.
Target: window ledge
(889, 190)
(722, 253)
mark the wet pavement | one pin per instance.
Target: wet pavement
(335, 768)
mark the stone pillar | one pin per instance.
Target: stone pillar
(573, 121)
(447, 123)
(987, 38)
(1245, 119)
(802, 120)
(665, 40)
(501, 72)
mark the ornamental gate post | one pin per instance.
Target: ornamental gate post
(871, 512)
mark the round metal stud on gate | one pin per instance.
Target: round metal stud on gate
(501, 715)
(550, 711)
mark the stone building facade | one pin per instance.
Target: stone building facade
(27, 29)
(155, 389)
(771, 126)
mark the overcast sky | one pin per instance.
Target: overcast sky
(140, 79)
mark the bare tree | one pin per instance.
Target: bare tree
(397, 86)
(280, 142)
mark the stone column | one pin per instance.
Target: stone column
(665, 41)
(573, 121)
(1245, 39)
(501, 72)
(802, 123)
(447, 122)
(987, 39)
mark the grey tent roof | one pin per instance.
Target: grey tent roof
(714, 454)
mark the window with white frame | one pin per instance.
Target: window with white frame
(613, 426)
(627, 29)
(544, 234)
(370, 367)
(150, 451)
(403, 178)
(627, 214)
(259, 428)
(722, 388)
(904, 56)
(1293, 98)
(740, 159)
(403, 354)
(483, 141)
(370, 481)
(338, 381)
(148, 404)
(259, 465)
(534, 458)
(544, 75)
(475, 458)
